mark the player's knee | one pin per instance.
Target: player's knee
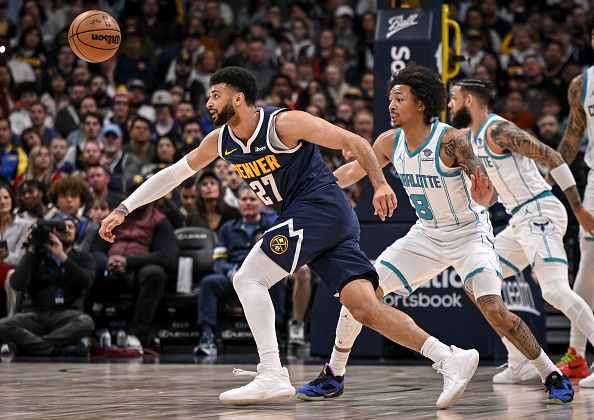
(365, 313)
(494, 311)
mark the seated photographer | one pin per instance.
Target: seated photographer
(235, 240)
(53, 279)
(143, 253)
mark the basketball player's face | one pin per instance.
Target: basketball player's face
(460, 114)
(219, 104)
(404, 107)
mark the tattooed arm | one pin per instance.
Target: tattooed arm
(576, 123)
(457, 151)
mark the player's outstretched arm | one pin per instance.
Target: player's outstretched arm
(352, 172)
(161, 183)
(576, 122)
(508, 137)
(294, 126)
(456, 145)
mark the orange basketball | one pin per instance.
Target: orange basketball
(94, 36)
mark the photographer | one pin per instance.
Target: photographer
(53, 279)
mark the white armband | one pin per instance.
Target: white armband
(159, 184)
(563, 176)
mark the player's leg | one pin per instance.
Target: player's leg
(251, 284)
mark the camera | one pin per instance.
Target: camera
(40, 231)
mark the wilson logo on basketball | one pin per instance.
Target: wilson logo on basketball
(279, 244)
(110, 39)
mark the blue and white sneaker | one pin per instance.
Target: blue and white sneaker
(559, 388)
(325, 386)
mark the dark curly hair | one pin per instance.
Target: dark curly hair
(74, 184)
(240, 79)
(425, 86)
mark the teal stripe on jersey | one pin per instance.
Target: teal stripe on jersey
(437, 159)
(425, 143)
(584, 86)
(481, 127)
(559, 260)
(522, 176)
(396, 140)
(473, 273)
(399, 274)
(493, 155)
(445, 188)
(543, 194)
(509, 264)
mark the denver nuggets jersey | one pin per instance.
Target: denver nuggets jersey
(440, 195)
(277, 175)
(515, 177)
(588, 104)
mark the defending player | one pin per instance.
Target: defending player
(434, 162)
(274, 151)
(539, 220)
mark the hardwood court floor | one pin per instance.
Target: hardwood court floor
(175, 391)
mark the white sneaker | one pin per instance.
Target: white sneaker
(296, 332)
(588, 381)
(132, 342)
(516, 373)
(457, 370)
(269, 385)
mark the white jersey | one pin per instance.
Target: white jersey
(440, 195)
(515, 177)
(588, 104)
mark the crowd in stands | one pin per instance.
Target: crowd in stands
(75, 137)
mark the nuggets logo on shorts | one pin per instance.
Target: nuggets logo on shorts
(541, 225)
(279, 244)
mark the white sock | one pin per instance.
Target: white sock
(513, 354)
(544, 365)
(338, 362)
(584, 286)
(435, 349)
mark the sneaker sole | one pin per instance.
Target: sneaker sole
(305, 397)
(555, 401)
(283, 395)
(471, 368)
(575, 373)
(586, 385)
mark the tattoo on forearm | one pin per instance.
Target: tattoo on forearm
(459, 148)
(576, 122)
(573, 196)
(508, 136)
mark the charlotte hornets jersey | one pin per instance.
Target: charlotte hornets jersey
(588, 104)
(440, 195)
(276, 174)
(515, 177)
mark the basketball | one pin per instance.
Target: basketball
(94, 36)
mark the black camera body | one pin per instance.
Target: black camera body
(40, 231)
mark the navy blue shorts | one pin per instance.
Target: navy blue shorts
(322, 231)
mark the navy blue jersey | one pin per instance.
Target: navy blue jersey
(278, 175)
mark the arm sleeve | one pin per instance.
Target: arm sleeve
(159, 184)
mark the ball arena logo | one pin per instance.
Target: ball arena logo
(109, 39)
(398, 23)
(279, 244)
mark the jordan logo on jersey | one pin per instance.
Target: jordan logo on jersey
(257, 167)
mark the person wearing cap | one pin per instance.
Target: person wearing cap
(138, 100)
(472, 51)
(164, 124)
(344, 17)
(184, 75)
(138, 262)
(53, 279)
(121, 165)
(120, 108)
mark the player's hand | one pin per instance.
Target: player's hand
(108, 224)
(384, 201)
(586, 220)
(481, 188)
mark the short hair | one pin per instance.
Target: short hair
(425, 85)
(238, 78)
(93, 115)
(479, 88)
(142, 119)
(189, 121)
(98, 165)
(188, 183)
(68, 184)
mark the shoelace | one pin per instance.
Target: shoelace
(567, 357)
(322, 378)
(241, 372)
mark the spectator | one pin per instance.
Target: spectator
(41, 167)
(188, 194)
(343, 27)
(120, 109)
(520, 49)
(64, 65)
(121, 165)
(31, 51)
(55, 99)
(32, 203)
(183, 75)
(91, 155)
(30, 139)
(363, 124)
(537, 85)
(54, 279)
(91, 131)
(516, 112)
(191, 135)
(41, 122)
(19, 118)
(164, 124)
(137, 90)
(472, 50)
(211, 209)
(215, 26)
(233, 183)
(138, 261)
(131, 63)
(207, 63)
(140, 145)
(235, 239)
(7, 90)
(99, 210)
(12, 233)
(100, 90)
(259, 63)
(68, 118)
(492, 21)
(549, 130)
(13, 160)
(162, 32)
(59, 148)
(300, 297)
(165, 155)
(98, 178)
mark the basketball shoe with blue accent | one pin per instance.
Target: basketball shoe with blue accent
(325, 386)
(559, 388)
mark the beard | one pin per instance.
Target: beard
(462, 118)
(225, 115)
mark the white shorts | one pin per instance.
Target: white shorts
(416, 258)
(534, 236)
